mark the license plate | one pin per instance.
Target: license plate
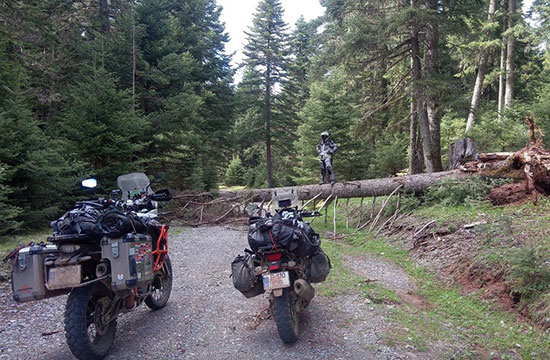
(63, 277)
(277, 280)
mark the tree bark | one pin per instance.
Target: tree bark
(133, 58)
(510, 55)
(482, 69)
(502, 68)
(363, 188)
(104, 16)
(269, 163)
(431, 70)
(502, 72)
(415, 155)
(418, 95)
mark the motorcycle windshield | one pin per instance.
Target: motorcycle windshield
(131, 183)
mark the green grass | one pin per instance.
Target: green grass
(513, 241)
(8, 243)
(343, 281)
(466, 325)
(176, 230)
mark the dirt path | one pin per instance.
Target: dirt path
(206, 317)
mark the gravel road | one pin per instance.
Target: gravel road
(206, 317)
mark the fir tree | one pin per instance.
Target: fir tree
(266, 57)
(330, 109)
(38, 177)
(183, 49)
(304, 45)
(103, 130)
(8, 213)
(235, 174)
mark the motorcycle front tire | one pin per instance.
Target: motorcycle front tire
(286, 316)
(162, 287)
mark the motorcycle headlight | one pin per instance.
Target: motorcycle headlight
(69, 248)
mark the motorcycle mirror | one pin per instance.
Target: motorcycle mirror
(89, 183)
(251, 209)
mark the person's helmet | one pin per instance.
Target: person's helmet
(324, 135)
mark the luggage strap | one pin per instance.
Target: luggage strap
(272, 240)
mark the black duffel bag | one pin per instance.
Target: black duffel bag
(308, 241)
(244, 280)
(115, 223)
(320, 266)
(80, 222)
(258, 232)
(288, 233)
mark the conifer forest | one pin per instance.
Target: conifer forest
(99, 88)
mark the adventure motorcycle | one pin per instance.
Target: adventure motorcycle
(110, 255)
(285, 260)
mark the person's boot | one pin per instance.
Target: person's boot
(323, 177)
(332, 178)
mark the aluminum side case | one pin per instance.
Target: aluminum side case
(28, 279)
(131, 260)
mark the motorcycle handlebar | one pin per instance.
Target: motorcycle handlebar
(136, 204)
(310, 213)
(100, 203)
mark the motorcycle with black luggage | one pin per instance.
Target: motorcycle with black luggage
(284, 260)
(110, 255)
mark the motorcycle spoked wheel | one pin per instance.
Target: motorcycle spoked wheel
(87, 336)
(162, 287)
(285, 313)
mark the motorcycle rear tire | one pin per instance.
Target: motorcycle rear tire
(286, 316)
(162, 282)
(79, 318)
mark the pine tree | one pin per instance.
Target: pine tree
(235, 174)
(304, 45)
(330, 108)
(103, 130)
(38, 177)
(8, 213)
(186, 87)
(266, 57)
(482, 68)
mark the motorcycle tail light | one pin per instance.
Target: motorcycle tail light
(274, 256)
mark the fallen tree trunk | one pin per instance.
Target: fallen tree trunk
(350, 189)
(532, 164)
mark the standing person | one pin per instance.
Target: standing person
(325, 148)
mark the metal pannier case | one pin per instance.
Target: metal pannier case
(131, 260)
(28, 279)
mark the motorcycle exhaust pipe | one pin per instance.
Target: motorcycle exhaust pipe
(304, 290)
(101, 269)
